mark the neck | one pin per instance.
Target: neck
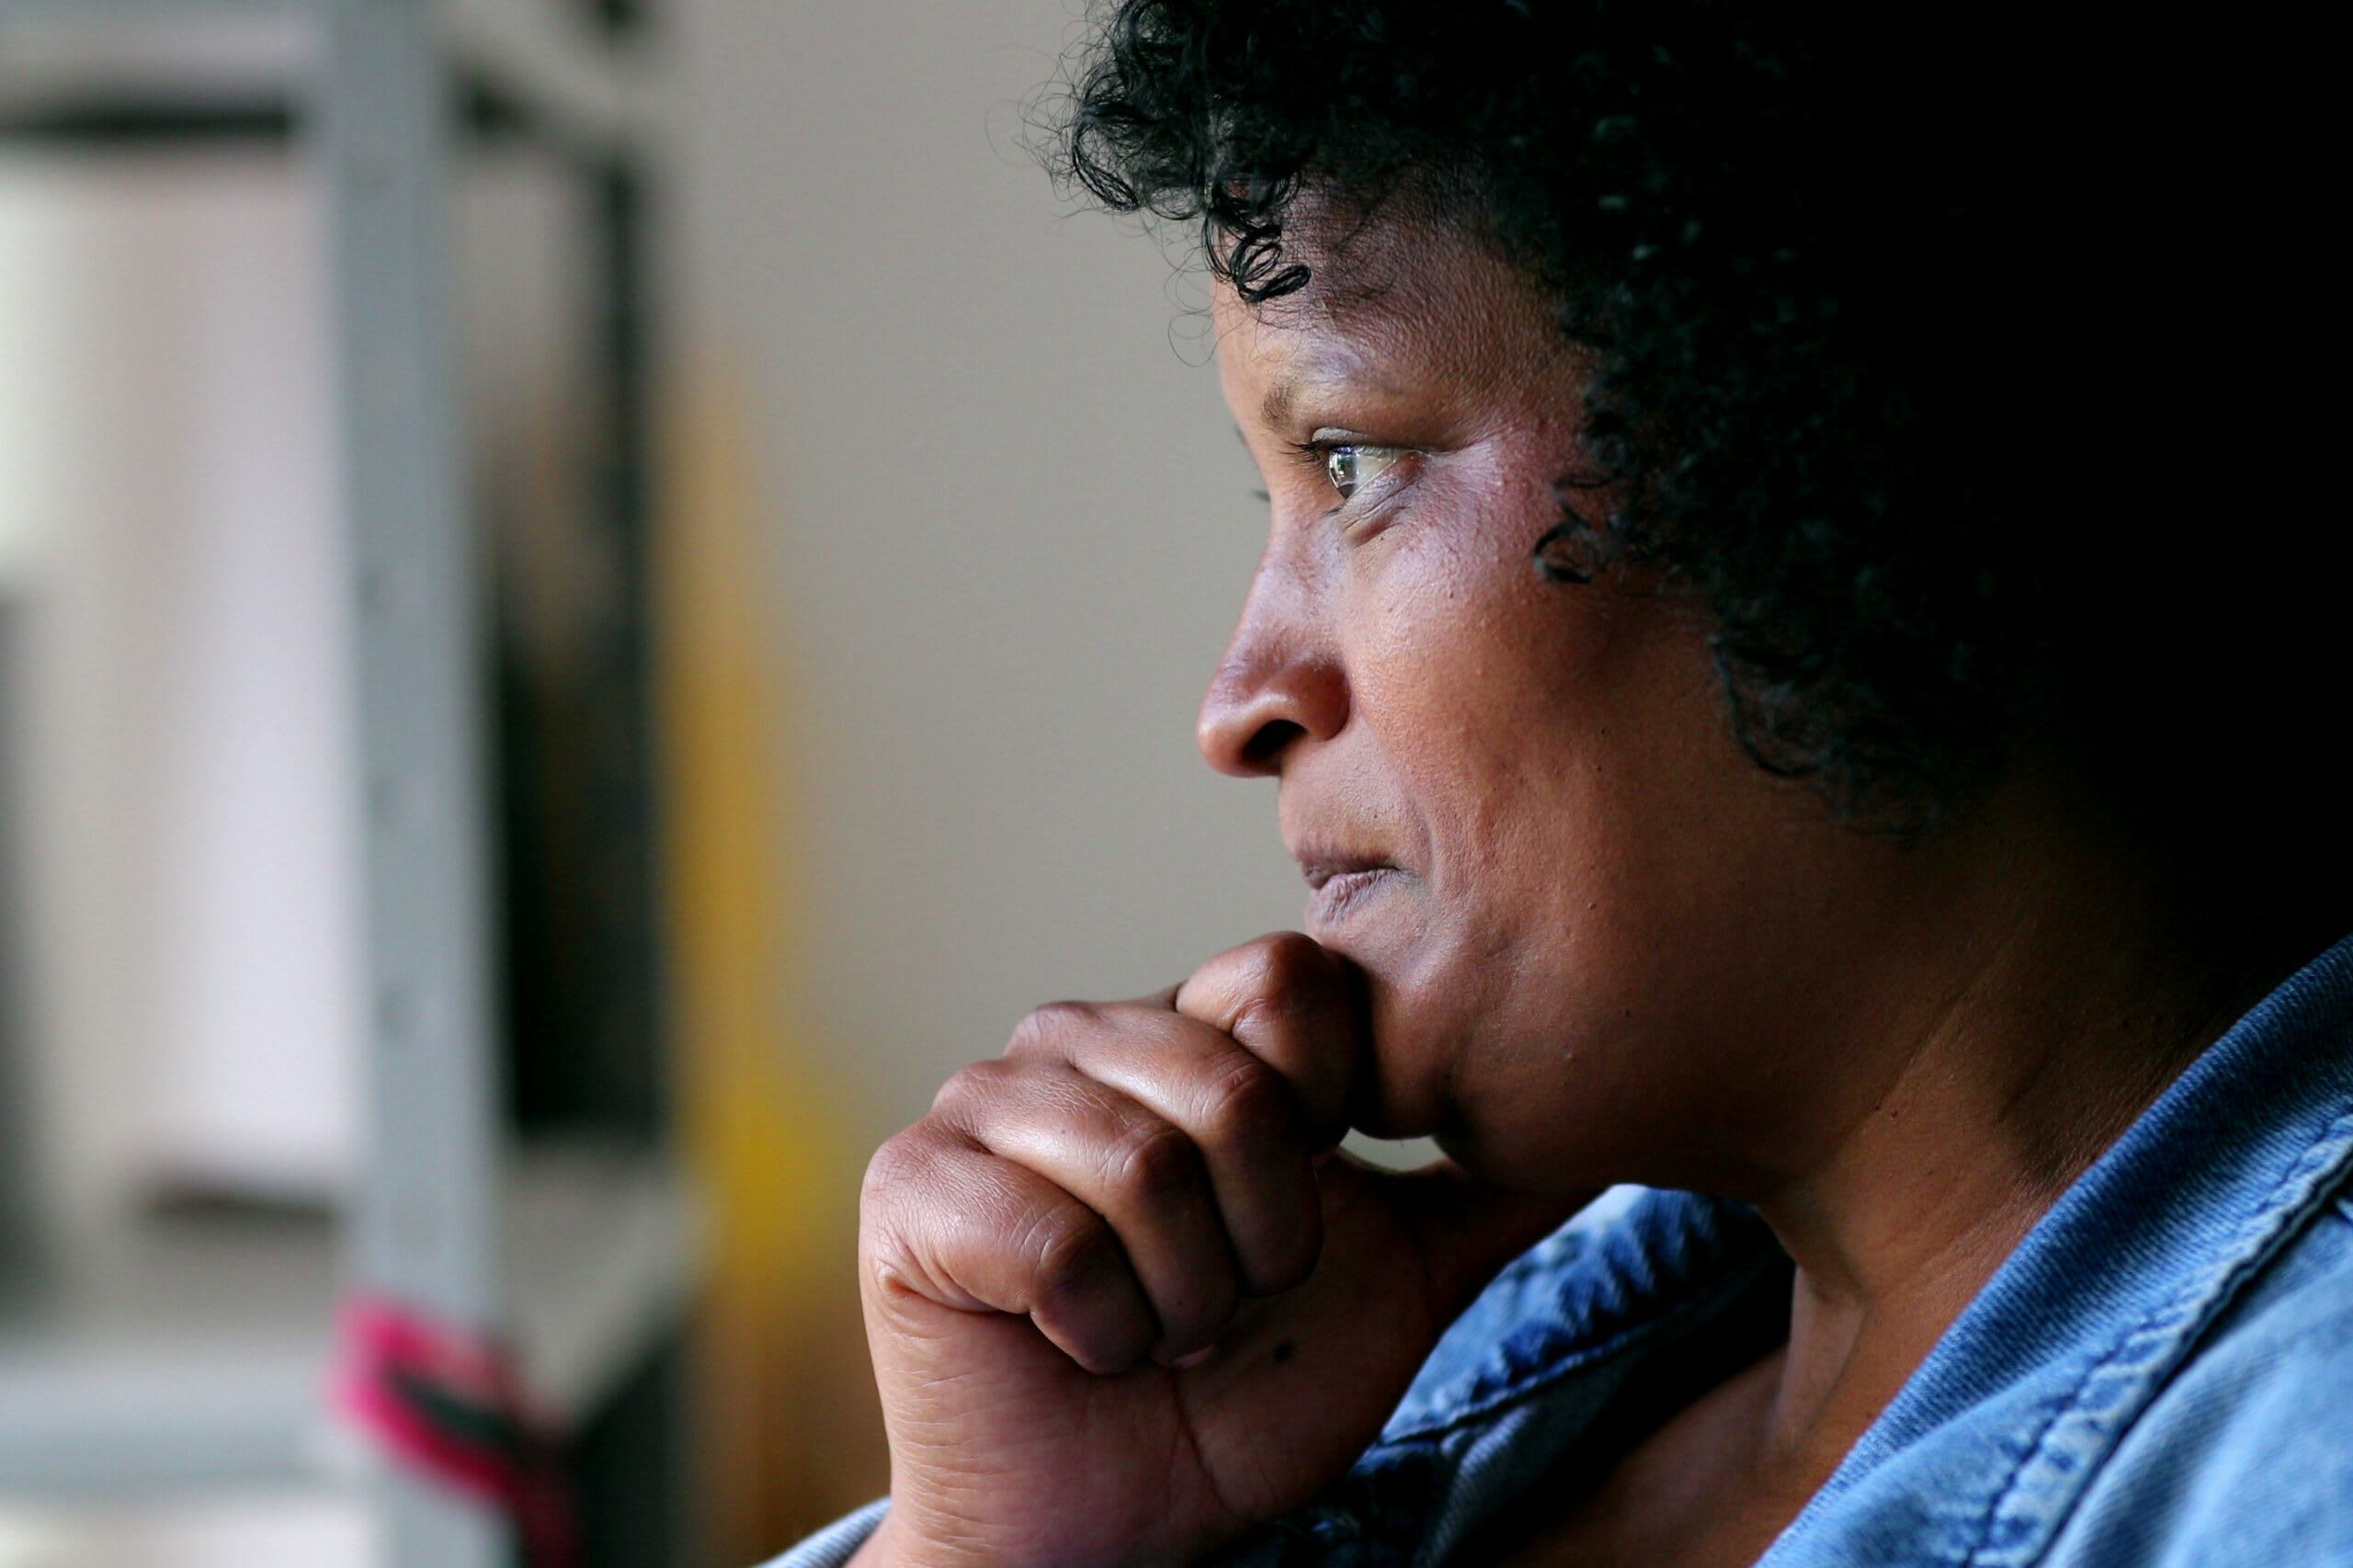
(2055, 998)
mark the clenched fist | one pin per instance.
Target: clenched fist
(1125, 1298)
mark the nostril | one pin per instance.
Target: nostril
(1264, 699)
(1269, 743)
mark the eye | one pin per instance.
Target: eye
(1348, 466)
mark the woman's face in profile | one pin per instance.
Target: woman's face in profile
(1594, 932)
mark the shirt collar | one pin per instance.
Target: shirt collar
(2113, 1286)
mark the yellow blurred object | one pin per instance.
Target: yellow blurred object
(787, 1432)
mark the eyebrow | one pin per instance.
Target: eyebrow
(1274, 410)
(1324, 368)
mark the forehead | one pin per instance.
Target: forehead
(1390, 306)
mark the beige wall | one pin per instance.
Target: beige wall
(1012, 523)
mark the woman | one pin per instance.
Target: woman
(1790, 642)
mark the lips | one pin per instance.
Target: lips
(1340, 881)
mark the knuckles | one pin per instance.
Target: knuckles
(897, 1170)
(1071, 1259)
(1247, 1106)
(1290, 962)
(1157, 1161)
(972, 1083)
(900, 1163)
(1282, 979)
(1075, 1267)
(1240, 1114)
(1048, 1029)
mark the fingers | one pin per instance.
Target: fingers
(1127, 1172)
(1297, 1006)
(1242, 1118)
(1141, 1173)
(965, 1229)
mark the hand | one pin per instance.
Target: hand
(1125, 1298)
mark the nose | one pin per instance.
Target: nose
(1279, 682)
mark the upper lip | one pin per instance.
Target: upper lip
(1319, 864)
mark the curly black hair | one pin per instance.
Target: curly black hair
(1946, 353)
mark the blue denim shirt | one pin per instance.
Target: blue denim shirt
(2160, 1374)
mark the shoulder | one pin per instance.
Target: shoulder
(2247, 1455)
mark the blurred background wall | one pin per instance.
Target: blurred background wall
(1012, 528)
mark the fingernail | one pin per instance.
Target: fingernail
(1196, 1358)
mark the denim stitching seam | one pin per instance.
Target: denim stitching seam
(2272, 1217)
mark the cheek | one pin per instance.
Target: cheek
(1465, 674)
(1510, 707)
(1564, 757)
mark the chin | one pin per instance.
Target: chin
(1414, 1049)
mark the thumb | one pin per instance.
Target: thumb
(1464, 1229)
